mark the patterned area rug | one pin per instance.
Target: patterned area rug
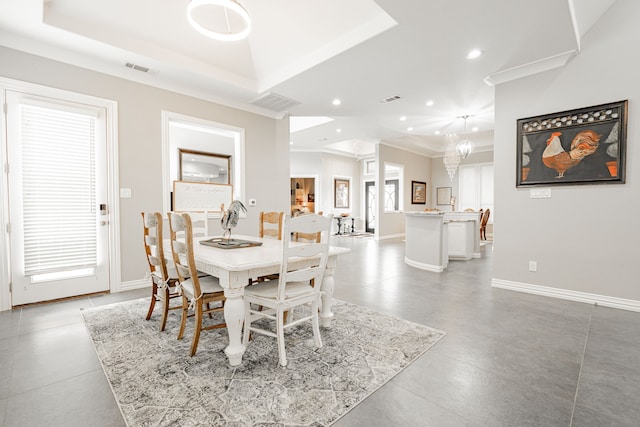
(156, 383)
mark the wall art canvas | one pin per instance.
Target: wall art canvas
(418, 192)
(582, 146)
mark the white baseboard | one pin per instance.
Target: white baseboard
(135, 284)
(422, 266)
(389, 236)
(603, 300)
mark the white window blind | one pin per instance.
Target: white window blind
(58, 178)
(475, 184)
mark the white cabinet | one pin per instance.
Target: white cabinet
(461, 239)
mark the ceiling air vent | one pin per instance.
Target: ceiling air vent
(274, 102)
(137, 67)
(390, 99)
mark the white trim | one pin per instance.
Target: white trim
(389, 236)
(422, 266)
(135, 284)
(238, 179)
(111, 109)
(606, 301)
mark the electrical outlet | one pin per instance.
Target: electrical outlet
(252, 202)
(533, 266)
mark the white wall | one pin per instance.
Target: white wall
(415, 168)
(140, 144)
(326, 167)
(584, 238)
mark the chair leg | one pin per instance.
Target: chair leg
(197, 328)
(280, 331)
(154, 291)
(185, 314)
(165, 308)
(316, 323)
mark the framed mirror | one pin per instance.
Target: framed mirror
(200, 166)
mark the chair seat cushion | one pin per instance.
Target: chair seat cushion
(208, 285)
(270, 289)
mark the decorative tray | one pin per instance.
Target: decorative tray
(219, 242)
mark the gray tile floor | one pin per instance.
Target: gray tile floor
(509, 359)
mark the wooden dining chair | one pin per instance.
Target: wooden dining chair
(483, 224)
(198, 293)
(199, 223)
(270, 224)
(294, 287)
(164, 277)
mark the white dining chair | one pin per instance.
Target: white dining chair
(300, 286)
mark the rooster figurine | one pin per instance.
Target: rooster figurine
(555, 157)
(230, 217)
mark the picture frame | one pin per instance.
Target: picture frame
(443, 195)
(581, 146)
(341, 193)
(201, 166)
(418, 192)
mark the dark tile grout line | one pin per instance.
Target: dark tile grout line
(584, 351)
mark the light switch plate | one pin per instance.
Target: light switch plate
(540, 193)
(125, 193)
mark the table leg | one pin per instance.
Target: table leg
(327, 287)
(234, 317)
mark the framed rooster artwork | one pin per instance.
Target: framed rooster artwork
(582, 146)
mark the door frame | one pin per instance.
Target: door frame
(111, 117)
(316, 188)
(367, 184)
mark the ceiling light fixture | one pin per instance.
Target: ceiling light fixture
(473, 54)
(464, 147)
(227, 20)
(429, 103)
(336, 102)
(451, 158)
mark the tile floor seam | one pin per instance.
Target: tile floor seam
(31, 390)
(437, 404)
(503, 378)
(584, 351)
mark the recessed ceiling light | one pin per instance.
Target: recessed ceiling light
(336, 102)
(338, 130)
(429, 103)
(473, 54)
(474, 129)
(403, 118)
(437, 132)
(290, 142)
(409, 129)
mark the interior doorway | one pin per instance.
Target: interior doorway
(303, 195)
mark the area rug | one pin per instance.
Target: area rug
(156, 383)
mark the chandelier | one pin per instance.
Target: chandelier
(451, 159)
(454, 153)
(224, 20)
(464, 147)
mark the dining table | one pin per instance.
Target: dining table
(235, 269)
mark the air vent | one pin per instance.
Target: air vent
(274, 102)
(390, 99)
(137, 67)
